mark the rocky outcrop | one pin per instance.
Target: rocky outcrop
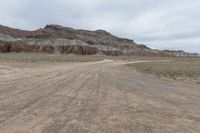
(180, 53)
(17, 46)
(63, 40)
(6, 47)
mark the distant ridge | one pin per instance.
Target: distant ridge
(65, 40)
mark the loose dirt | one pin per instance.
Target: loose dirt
(93, 97)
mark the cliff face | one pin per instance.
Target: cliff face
(63, 40)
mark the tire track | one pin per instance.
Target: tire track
(95, 97)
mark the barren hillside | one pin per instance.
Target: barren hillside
(62, 40)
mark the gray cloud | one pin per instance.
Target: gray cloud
(169, 24)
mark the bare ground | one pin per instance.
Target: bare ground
(94, 97)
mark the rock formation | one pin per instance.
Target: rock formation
(63, 40)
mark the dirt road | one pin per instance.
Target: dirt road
(95, 97)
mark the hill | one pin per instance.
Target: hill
(63, 40)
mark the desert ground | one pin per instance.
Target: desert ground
(93, 97)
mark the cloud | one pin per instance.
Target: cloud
(160, 24)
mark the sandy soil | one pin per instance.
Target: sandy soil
(95, 97)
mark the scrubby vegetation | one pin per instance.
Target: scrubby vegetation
(187, 67)
(39, 57)
(31, 57)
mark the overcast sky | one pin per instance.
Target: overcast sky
(161, 24)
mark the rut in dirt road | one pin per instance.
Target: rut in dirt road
(96, 97)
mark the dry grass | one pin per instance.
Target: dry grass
(182, 67)
(39, 57)
(35, 57)
(42, 57)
